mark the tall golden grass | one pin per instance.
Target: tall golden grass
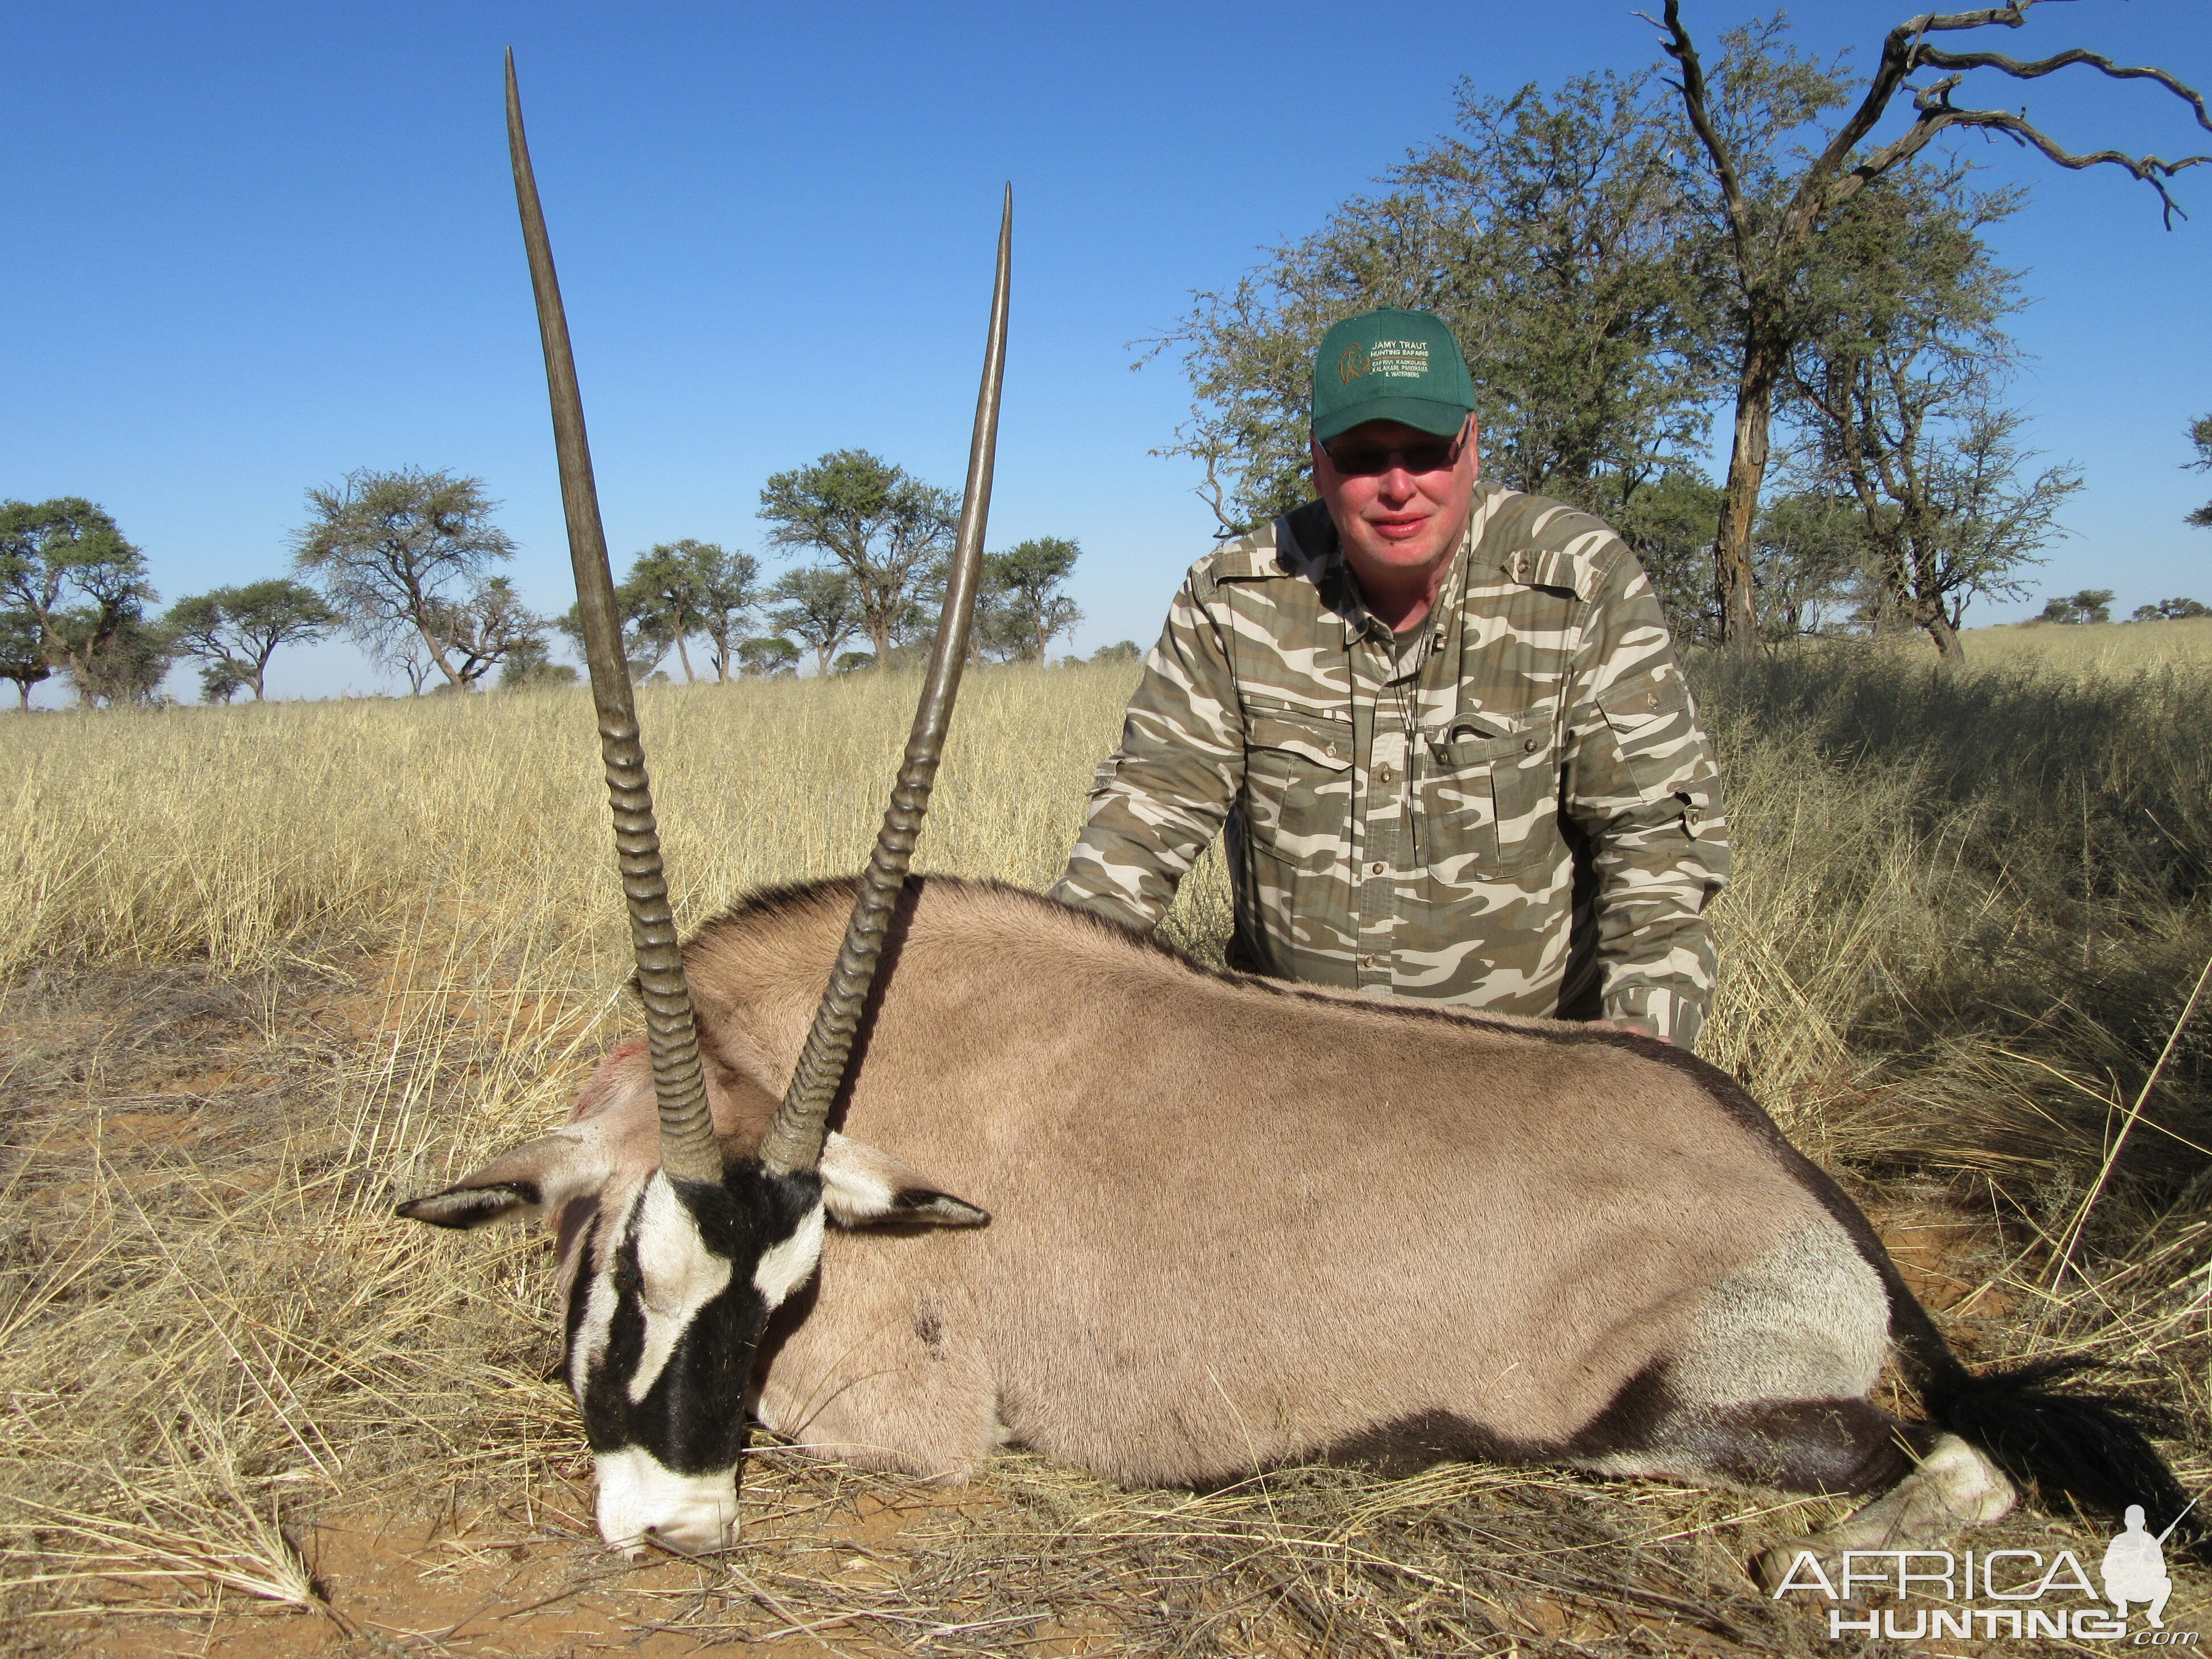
(269, 967)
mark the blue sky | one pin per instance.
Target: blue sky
(258, 246)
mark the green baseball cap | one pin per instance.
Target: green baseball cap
(1390, 365)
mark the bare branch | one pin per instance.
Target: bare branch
(1697, 104)
(2043, 66)
(1937, 114)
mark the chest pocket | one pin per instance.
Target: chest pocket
(1298, 784)
(1489, 803)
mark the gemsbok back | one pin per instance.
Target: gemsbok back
(1230, 1225)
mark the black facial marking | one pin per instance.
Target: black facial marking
(692, 1419)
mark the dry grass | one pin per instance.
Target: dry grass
(2091, 648)
(269, 967)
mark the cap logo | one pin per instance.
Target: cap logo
(1399, 359)
(1352, 364)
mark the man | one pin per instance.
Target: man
(1443, 722)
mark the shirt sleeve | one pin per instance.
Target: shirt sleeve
(1160, 797)
(1642, 787)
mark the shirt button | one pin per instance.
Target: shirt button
(1375, 869)
(1532, 746)
(1381, 775)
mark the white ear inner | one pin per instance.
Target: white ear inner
(855, 1182)
(784, 1267)
(681, 1276)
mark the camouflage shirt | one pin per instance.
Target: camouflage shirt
(1511, 807)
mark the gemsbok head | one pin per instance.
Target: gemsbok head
(673, 1284)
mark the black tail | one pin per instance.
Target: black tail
(2093, 1445)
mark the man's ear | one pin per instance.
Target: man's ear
(527, 1181)
(862, 1187)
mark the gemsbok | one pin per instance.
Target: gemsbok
(1176, 1225)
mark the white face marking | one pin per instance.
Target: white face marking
(783, 1267)
(599, 1304)
(639, 1495)
(681, 1275)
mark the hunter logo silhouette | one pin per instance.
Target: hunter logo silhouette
(1351, 364)
(2134, 1567)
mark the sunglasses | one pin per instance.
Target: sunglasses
(1365, 461)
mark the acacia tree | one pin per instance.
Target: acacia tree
(235, 630)
(771, 657)
(1027, 609)
(697, 587)
(1897, 383)
(1771, 200)
(883, 527)
(2091, 604)
(400, 556)
(77, 591)
(817, 607)
(530, 666)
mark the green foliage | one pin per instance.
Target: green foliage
(74, 593)
(2091, 604)
(1667, 521)
(644, 636)
(400, 557)
(529, 666)
(686, 587)
(1894, 383)
(852, 662)
(220, 681)
(235, 630)
(1547, 233)
(819, 606)
(769, 658)
(476, 633)
(1120, 651)
(22, 653)
(2200, 433)
(881, 528)
(1778, 187)
(2170, 611)
(1020, 610)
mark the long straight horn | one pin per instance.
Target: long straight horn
(687, 1130)
(794, 1139)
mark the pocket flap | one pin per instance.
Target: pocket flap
(1325, 742)
(1634, 704)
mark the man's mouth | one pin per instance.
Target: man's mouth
(1398, 529)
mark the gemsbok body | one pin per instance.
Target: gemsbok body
(1176, 1225)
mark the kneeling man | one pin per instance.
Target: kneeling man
(1442, 722)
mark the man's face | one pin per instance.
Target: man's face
(1398, 523)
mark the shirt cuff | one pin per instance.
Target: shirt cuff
(1657, 1012)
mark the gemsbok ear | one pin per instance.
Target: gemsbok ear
(862, 1187)
(473, 1206)
(527, 1181)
